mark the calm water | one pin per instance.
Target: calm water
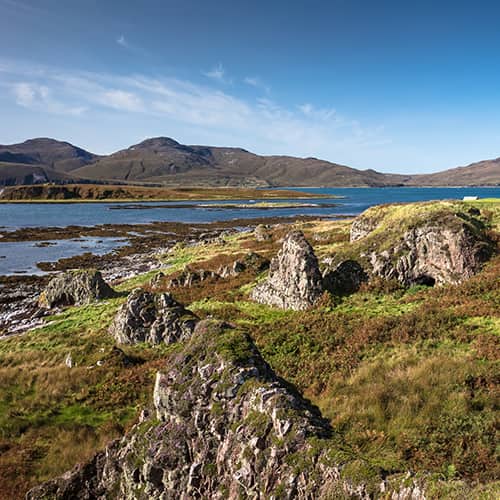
(13, 216)
(22, 257)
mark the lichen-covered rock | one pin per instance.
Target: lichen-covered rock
(345, 278)
(224, 427)
(432, 254)
(262, 232)
(75, 288)
(153, 318)
(190, 278)
(255, 262)
(434, 243)
(294, 281)
(251, 262)
(157, 280)
(363, 226)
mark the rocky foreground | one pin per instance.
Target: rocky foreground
(388, 324)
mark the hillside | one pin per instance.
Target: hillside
(100, 192)
(12, 174)
(389, 387)
(164, 161)
(483, 173)
(56, 155)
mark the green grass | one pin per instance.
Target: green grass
(408, 378)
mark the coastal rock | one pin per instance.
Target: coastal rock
(419, 245)
(153, 318)
(255, 262)
(75, 288)
(189, 278)
(294, 281)
(362, 226)
(262, 232)
(251, 261)
(345, 278)
(156, 280)
(431, 255)
(225, 426)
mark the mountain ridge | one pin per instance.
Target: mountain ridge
(164, 161)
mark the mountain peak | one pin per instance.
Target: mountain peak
(156, 142)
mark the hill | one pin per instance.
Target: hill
(483, 173)
(12, 174)
(56, 155)
(101, 192)
(164, 161)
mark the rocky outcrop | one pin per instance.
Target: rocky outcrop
(416, 245)
(153, 318)
(223, 426)
(262, 232)
(255, 262)
(431, 255)
(251, 262)
(75, 288)
(189, 278)
(294, 281)
(362, 226)
(345, 278)
(157, 280)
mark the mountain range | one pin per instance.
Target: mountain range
(164, 161)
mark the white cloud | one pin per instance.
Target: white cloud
(217, 73)
(255, 81)
(20, 6)
(25, 94)
(320, 114)
(122, 41)
(38, 97)
(121, 100)
(202, 112)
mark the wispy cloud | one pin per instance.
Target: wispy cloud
(122, 100)
(19, 6)
(38, 97)
(121, 40)
(324, 114)
(207, 113)
(218, 73)
(255, 81)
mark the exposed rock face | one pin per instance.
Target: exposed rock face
(294, 280)
(252, 261)
(345, 279)
(156, 280)
(432, 255)
(75, 288)
(262, 232)
(154, 318)
(422, 248)
(189, 278)
(362, 226)
(255, 262)
(226, 427)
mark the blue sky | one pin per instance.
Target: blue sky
(401, 86)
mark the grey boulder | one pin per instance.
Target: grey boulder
(75, 288)
(294, 280)
(153, 318)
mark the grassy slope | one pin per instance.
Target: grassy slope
(409, 378)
